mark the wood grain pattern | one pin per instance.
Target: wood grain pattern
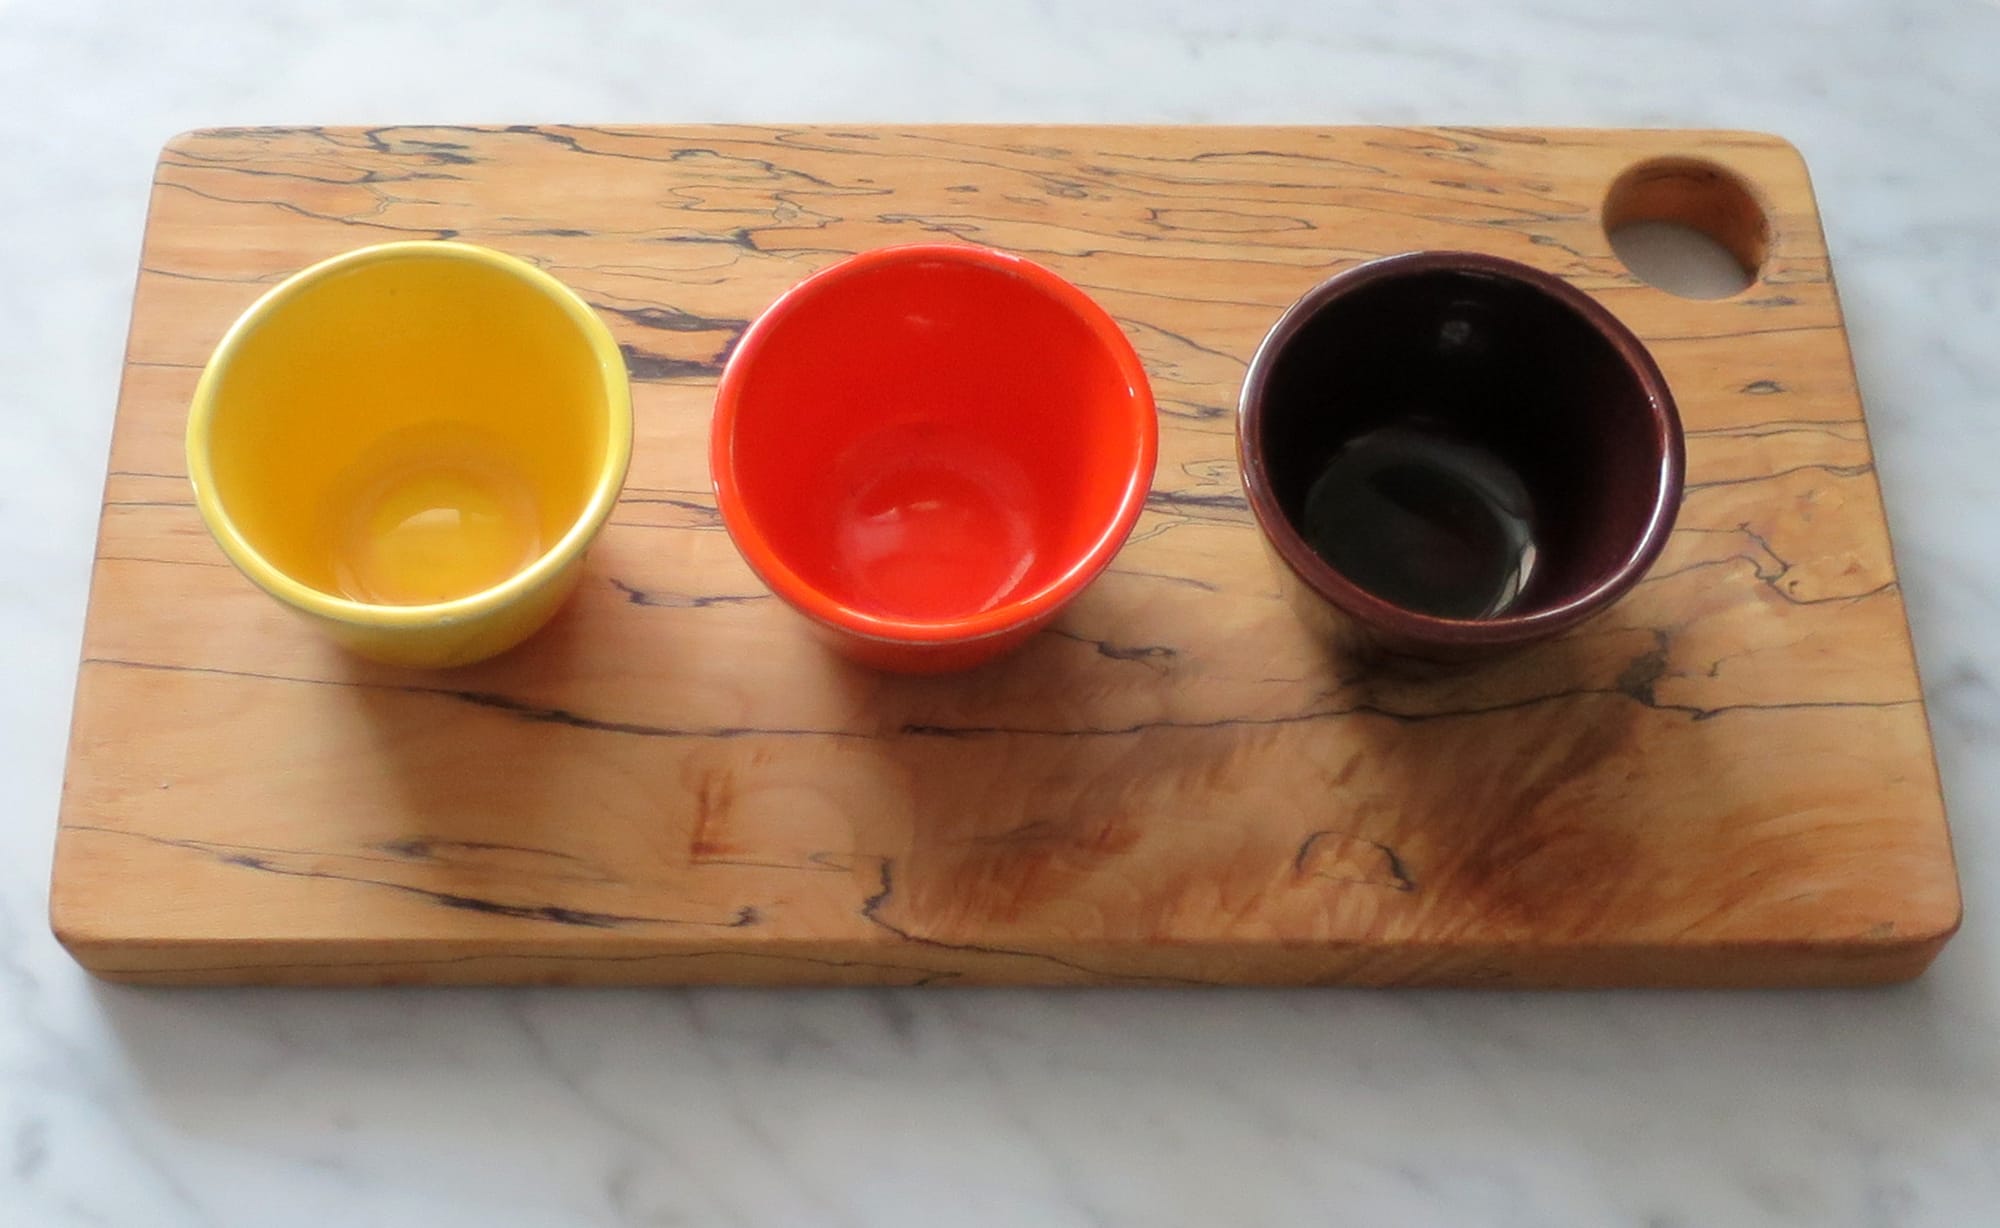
(1727, 780)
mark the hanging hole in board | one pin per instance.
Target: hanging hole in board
(1687, 227)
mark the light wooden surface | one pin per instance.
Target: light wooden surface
(1727, 780)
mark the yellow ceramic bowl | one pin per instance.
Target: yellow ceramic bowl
(412, 445)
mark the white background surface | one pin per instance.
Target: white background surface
(1154, 1108)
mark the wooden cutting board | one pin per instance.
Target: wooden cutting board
(1728, 780)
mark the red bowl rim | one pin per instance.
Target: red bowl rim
(1029, 608)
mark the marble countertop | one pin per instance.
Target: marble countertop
(160, 1108)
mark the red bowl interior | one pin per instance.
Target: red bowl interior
(932, 442)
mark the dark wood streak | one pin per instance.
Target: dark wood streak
(1880, 590)
(446, 153)
(1179, 499)
(926, 976)
(709, 516)
(1494, 215)
(1200, 505)
(1399, 873)
(1769, 579)
(379, 854)
(315, 215)
(676, 152)
(426, 848)
(1049, 181)
(967, 225)
(743, 238)
(1641, 676)
(542, 714)
(534, 713)
(1187, 411)
(1244, 155)
(810, 866)
(263, 279)
(1155, 654)
(1731, 334)
(1497, 136)
(1169, 522)
(553, 913)
(802, 139)
(1190, 300)
(1121, 179)
(202, 165)
(674, 320)
(871, 911)
(1182, 340)
(1832, 428)
(1694, 712)
(1838, 471)
(1164, 577)
(682, 601)
(1584, 259)
(1785, 565)
(646, 367)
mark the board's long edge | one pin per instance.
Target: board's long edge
(1735, 965)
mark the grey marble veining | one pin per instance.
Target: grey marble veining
(988, 1107)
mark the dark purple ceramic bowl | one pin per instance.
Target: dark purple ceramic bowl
(1451, 453)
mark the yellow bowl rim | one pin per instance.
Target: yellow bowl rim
(603, 497)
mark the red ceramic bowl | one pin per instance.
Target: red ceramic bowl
(929, 450)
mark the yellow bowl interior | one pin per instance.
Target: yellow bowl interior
(410, 425)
